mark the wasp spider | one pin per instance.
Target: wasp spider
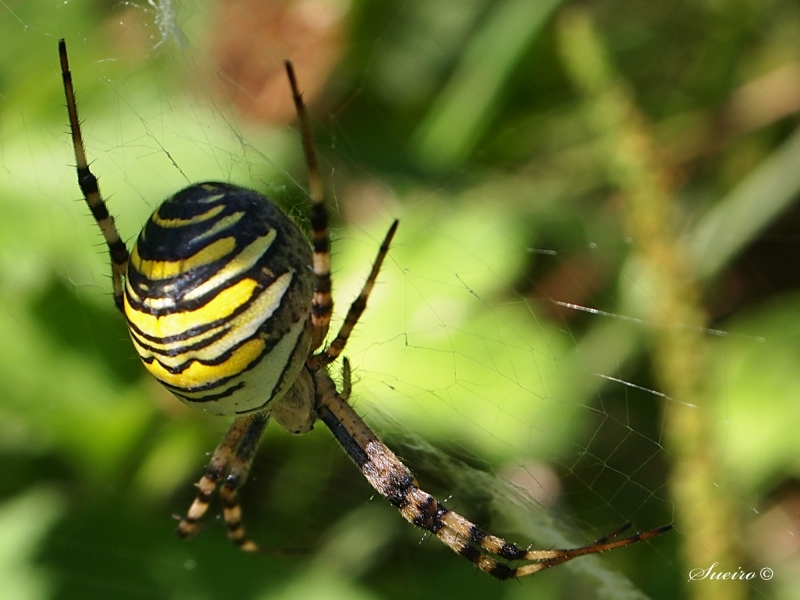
(228, 306)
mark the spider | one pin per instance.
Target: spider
(228, 306)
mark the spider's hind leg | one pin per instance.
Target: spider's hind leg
(322, 301)
(335, 348)
(89, 186)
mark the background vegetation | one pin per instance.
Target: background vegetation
(593, 294)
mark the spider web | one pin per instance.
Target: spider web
(513, 350)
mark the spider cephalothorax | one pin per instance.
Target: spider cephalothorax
(228, 306)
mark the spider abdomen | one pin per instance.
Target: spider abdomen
(217, 298)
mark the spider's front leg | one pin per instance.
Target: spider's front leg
(237, 475)
(233, 456)
(394, 481)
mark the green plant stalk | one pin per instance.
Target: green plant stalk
(667, 296)
(747, 210)
(461, 113)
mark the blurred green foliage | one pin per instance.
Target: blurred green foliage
(464, 119)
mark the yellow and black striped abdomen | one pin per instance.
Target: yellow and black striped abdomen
(218, 297)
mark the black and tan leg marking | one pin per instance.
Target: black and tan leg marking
(237, 475)
(393, 480)
(322, 302)
(233, 455)
(335, 348)
(347, 379)
(220, 464)
(89, 187)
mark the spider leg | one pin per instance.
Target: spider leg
(393, 480)
(613, 534)
(347, 383)
(322, 301)
(601, 545)
(89, 187)
(334, 349)
(220, 463)
(240, 467)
